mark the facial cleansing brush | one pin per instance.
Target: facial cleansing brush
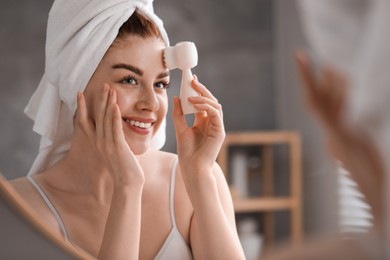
(183, 56)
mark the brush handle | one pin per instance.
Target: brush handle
(187, 91)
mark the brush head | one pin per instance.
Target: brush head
(169, 58)
(183, 56)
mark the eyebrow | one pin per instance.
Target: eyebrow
(128, 67)
(137, 71)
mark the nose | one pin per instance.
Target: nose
(148, 99)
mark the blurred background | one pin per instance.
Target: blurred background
(245, 58)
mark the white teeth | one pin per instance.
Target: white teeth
(139, 124)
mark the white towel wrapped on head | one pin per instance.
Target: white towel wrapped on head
(79, 32)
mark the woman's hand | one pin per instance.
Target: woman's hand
(122, 231)
(198, 146)
(326, 96)
(107, 137)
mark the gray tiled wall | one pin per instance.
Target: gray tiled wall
(22, 39)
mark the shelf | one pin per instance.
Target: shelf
(268, 203)
(263, 138)
(263, 204)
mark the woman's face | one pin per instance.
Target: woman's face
(134, 68)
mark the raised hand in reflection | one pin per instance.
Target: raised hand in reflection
(327, 97)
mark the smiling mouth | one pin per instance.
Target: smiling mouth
(139, 124)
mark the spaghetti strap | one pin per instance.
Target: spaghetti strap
(172, 192)
(50, 206)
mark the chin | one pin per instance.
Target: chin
(138, 148)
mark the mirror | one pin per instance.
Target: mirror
(23, 234)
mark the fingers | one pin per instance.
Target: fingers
(334, 84)
(204, 100)
(84, 122)
(101, 111)
(211, 110)
(108, 118)
(316, 90)
(206, 97)
(179, 120)
(331, 84)
(117, 130)
(305, 73)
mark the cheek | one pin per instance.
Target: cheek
(163, 101)
(124, 99)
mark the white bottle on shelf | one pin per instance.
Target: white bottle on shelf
(251, 240)
(239, 173)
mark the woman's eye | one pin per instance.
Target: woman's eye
(162, 85)
(129, 80)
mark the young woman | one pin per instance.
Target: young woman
(110, 193)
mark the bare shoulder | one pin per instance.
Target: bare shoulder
(161, 159)
(30, 195)
(27, 191)
(23, 187)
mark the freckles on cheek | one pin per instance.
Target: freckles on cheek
(123, 100)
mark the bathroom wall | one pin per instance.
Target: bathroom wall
(22, 43)
(319, 176)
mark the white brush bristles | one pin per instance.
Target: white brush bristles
(183, 56)
(169, 58)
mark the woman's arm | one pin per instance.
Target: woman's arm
(123, 229)
(213, 232)
(213, 228)
(123, 226)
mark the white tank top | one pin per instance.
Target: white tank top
(174, 247)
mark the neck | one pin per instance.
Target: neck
(82, 171)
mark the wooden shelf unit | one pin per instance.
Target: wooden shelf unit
(268, 203)
(263, 204)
